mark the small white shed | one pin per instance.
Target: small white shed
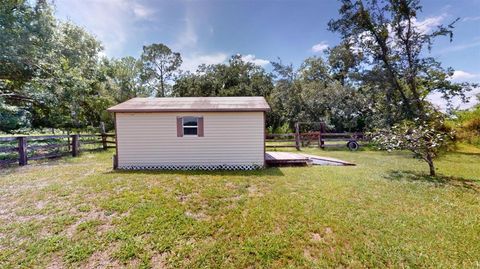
(190, 133)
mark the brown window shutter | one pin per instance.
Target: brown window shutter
(179, 127)
(200, 127)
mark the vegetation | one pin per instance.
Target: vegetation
(466, 124)
(78, 212)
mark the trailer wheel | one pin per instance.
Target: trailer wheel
(353, 145)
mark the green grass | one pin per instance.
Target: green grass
(384, 212)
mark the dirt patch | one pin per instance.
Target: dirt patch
(253, 191)
(56, 263)
(230, 185)
(324, 236)
(316, 237)
(307, 255)
(99, 215)
(103, 259)
(197, 215)
(159, 261)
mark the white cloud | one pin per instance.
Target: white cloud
(141, 11)
(112, 21)
(191, 62)
(252, 59)
(429, 23)
(188, 38)
(459, 47)
(477, 18)
(458, 75)
(320, 47)
(437, 100)
(463, 75)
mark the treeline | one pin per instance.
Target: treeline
(52, 75)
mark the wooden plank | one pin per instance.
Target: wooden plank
(102, 135)
(334, 145)
(281, 135)
(75, 145)
(22, 150)
(91, 135)
(8, 149)
(297, 136)
(8, 161)
(337, 139)
(45, 137)
(48, 156)
(328, 159)
(90, 142)
(280, 146)
(8, 138)
(49, 146)
(285, 158)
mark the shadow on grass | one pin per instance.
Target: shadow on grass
(465, 153)
(271, 171)
(438, 180)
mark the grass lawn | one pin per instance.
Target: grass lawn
(384, 212)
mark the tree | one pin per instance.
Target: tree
(237, 78)
(395, 55)
(343, 61)
(387, 32)
(27, 38)
(426, 139)
(123, 77)
(311, 94)
(159, 66)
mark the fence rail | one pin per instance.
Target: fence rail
(298, 139)
(21, 149)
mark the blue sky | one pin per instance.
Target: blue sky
(209, 31)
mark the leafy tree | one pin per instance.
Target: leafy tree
(159, 66)
(343, 61)
(123, 78)
(237, 78)
(310, 94)
(27, 38)
(72, 92)
(396, 63)
(388, 34)
(426, 139)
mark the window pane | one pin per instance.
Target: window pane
(190, 121)
(190, 130)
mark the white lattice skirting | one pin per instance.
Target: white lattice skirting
(193, 167)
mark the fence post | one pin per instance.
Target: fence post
(297, 136)
(103, 134)
(75, 145)
(320, 138)
(321, 142)
(22, 150)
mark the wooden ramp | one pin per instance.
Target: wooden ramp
(285, 159)
(276, 158)
(320, 160)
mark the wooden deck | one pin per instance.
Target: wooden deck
(285, 159)
(277, 158)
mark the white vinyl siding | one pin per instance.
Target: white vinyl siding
(230, 138)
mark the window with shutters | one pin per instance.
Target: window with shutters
(190, 126)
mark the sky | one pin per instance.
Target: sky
(210, 31)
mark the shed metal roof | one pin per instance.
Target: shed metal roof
(177, 104)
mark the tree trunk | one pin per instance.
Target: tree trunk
(430, 165)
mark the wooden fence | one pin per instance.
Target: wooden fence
(21, 149)
(298, 140)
